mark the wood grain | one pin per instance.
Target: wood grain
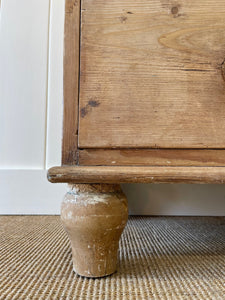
(151, 157)
(152, 74)
(71, 81)
(142, 174)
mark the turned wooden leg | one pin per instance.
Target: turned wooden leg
(94, 216)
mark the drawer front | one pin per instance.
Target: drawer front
(151, 74)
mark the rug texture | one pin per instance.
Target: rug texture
(160, 258)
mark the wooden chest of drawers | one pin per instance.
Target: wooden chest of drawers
(144, 101)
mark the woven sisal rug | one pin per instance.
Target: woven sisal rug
(160, 258)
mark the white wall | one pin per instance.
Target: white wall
(31, 34)
(31, 52)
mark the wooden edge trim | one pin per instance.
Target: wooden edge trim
(152, 157)
(71, 67)
(142, 174)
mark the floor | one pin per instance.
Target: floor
(159, 258)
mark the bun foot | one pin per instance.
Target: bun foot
(94, 216)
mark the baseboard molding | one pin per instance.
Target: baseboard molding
(176, 199)
(29, 192)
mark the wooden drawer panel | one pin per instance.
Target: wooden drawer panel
(151, 74)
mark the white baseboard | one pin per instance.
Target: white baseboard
(176, 199)
(29, 192)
